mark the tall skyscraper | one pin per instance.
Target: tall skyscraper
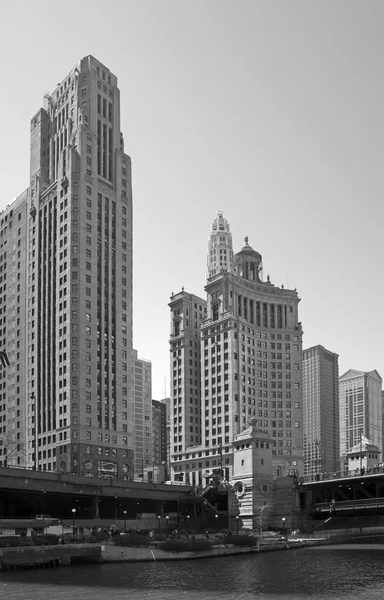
(160, 415)
(251, 343)
(142, 414)
(220, 251)
(360, 409)
(71, 284)
(13, 333)
(251, 366)
(187, 313)
(321, 411)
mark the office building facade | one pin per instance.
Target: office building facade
(77, 287)
(13, 333)
(160, 416)
(251, 367)
(187, 313)
(142, 414)
(360, 397)
(321, 411)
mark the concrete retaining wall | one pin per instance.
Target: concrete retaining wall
(128, 554)
(44, 555)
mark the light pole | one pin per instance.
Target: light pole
(166, 520)
(74, 522)
(159, 521)
(283, 519)
(125, 521)
(216, 520)
(188, 517)
(237, 525)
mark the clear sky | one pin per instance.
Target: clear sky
(269, 110)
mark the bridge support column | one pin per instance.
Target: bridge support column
(95, 507)
(160, 509)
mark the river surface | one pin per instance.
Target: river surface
(336, 572)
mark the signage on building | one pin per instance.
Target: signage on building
(106, 469)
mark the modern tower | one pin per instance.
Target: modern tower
(321, 411)
(360, 409)
(220, 252)
(70, 268)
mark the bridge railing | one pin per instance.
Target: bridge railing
(69, 476)
(349, 504)
(377, 469)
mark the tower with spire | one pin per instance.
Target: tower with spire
(250, 365)
(220, 251)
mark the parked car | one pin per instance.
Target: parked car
(44, 517)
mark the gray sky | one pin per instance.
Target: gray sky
(268, 110)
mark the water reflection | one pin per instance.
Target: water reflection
(344, 572)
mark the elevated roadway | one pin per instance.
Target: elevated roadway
(26, 492)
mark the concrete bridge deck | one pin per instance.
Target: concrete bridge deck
(25, 479)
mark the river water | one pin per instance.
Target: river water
(336, 572)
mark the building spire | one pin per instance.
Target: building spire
(220, 251)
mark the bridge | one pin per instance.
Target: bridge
(344, 499)
(26, 492)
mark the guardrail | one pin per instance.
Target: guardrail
(376, 470)
(350, 504)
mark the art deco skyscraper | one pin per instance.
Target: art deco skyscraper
(77, 351)
(321, 411)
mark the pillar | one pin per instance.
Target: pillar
(95, 507)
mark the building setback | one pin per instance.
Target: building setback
(360, 396)
(321, 411)
(251, 367)
(72, 230)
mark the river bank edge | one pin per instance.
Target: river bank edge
(116, 554)
(55, 556)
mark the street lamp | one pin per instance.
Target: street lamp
(125, 521)
(166, 520)
(283, 519)
(216, 520)
(237, 525)
(188, 517)
(159, 521)
(73, 522)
